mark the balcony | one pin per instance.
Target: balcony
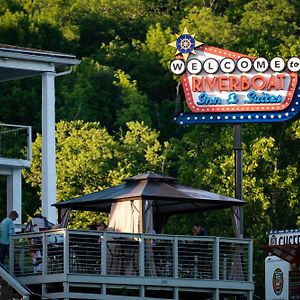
(15, 145)
(76, 264)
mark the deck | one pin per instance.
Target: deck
(72, 264)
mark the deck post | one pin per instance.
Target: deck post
(216, 259)
(66, 290)
(66, 252)
(142, 257)
(176, 293)
(250, 295)
(175, 257)
(44, 255)
(103, 290)
(104, 254)
(142, 292)
(216, 293)
(44, 291)
(250, 259)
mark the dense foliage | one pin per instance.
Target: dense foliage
(115, 110)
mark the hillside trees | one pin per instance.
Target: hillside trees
(124, 76)
(90, 159)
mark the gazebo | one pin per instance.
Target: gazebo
(145, 199)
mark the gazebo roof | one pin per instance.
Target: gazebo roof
(168, 197)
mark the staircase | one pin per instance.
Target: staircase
(7, 292)
(11, 288)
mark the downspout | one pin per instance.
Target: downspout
(64, 72)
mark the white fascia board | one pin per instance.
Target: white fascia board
(33, 66)
(56, 59)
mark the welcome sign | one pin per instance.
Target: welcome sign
(222, 86)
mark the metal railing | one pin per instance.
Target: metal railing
(15, 142)
(140, 255)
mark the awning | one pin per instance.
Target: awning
(289, 253)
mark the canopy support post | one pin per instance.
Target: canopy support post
(141, 216)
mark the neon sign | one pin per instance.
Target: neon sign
(222, 86)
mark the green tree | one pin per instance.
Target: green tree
(88, 94)
(89, 159)
(134, 105)
(269, 28)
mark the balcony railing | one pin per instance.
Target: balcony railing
(137, 255)
(15, 142)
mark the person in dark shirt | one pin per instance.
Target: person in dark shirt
(199, 252)
(198, 230)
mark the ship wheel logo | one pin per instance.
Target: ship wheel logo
(186, 44)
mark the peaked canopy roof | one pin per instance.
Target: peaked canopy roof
(168, 196)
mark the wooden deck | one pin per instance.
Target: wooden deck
(92, 265)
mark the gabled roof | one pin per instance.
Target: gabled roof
(168, 196)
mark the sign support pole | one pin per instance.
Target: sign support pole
(238, 162)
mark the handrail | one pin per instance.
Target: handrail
(140, 255)
(14, 283)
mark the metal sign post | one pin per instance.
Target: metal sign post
(238, 164)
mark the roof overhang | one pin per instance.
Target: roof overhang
(17, 62)
(289, 253)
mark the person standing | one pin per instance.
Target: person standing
(7, 228)
(38, 223)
